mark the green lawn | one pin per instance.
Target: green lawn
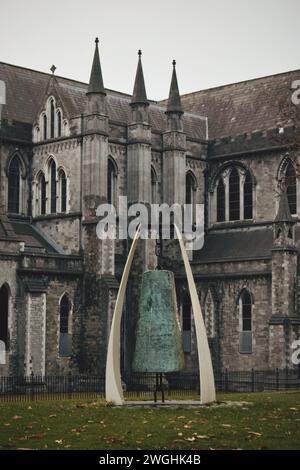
(257, 421)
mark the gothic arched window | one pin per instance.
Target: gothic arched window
(52, 119)
(153, 186)
(14, 182)
(221, 201)
(234, 195)
(190, 188)
(245, 307)
(45, 127)
(43, 194)
(63, 191)
(186, 323)
(4, 297)
(65, 336)
(248, 197)
(58, 123)
(291, 187)
(53, 189)
(111, 182)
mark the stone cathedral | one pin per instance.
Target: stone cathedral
(67, 146)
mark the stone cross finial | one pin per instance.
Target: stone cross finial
(53, 68)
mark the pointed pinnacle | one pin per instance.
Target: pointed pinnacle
(174, 101)
(96, 80)
(139, 95)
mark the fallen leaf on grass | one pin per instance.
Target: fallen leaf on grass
(36, 436)
(58, 441)
(258, 434)
(226, 425)
(113, 440)
(16, 417)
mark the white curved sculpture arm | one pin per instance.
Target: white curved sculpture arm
(113, 385)
(207, 382)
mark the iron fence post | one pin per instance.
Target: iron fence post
(253, 380)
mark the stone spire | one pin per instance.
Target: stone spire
(174, 101)
(283, 213)
(139, 95)
(96, 80)
(284, 224)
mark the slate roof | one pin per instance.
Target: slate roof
(237, 245)
(25, 89)
(6, 229)
(242, 107)
(24, 232)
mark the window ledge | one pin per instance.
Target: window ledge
(59, 215)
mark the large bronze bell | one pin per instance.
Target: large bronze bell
(158, 335)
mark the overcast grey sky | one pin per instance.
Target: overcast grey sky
(214, 42)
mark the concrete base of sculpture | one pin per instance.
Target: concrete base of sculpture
(113, 386)
(159, 404)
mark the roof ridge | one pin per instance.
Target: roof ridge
(60, 77)
(236, 83)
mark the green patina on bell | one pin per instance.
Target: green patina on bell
(158, 336)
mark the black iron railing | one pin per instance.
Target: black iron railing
(143, 386)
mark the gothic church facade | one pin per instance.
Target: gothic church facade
(66, 147)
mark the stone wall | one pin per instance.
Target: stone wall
(35, 333)
(57, 287)
(8, 276)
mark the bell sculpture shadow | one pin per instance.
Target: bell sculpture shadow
(159, 343)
